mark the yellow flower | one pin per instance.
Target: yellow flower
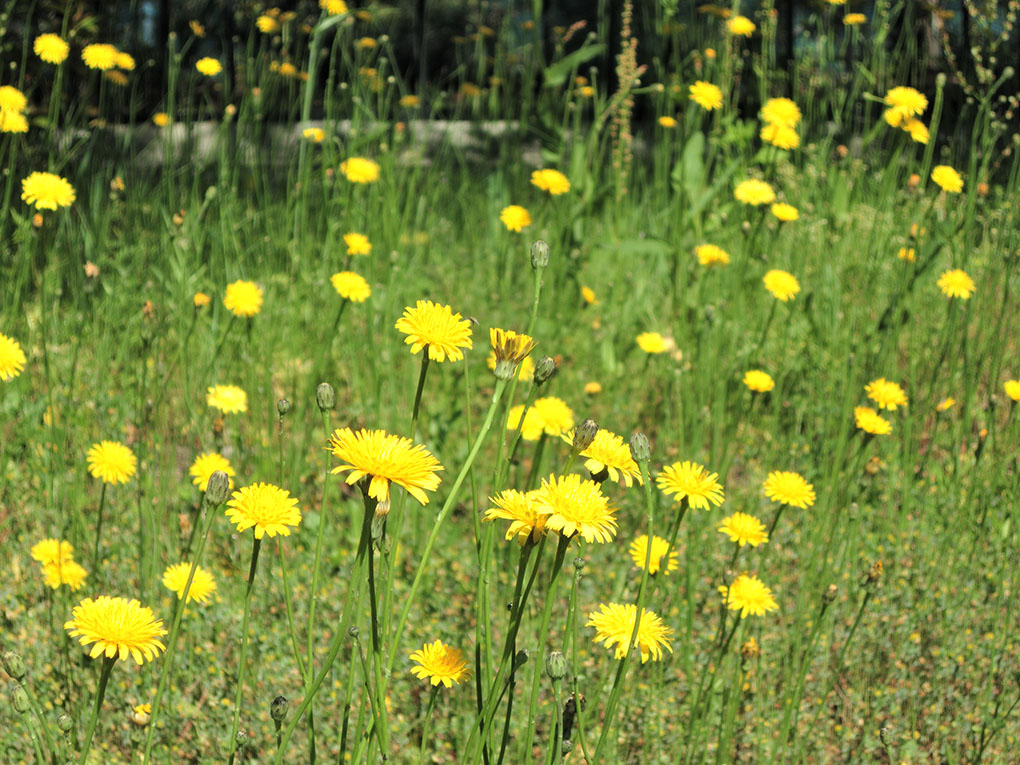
(51, 48)
(120, 628)
(1012, 388)
(201, 300)
(314, 134)
(205, 465)
(12, 358)
(439, 663)
(386, 458)
(908, 254)
(118, 78)
(903, 103)
(744, 529)
(573, 506)
(351, 286)
(160, 119)
(754, 192)
(111, 462)
(667, 122)
(360, 170)
(175, 579)
(196, 28)
(66, 572)
(518, 507)
(781, 111)
(525, 370)
(949, 402)
(614, 625)
(438, 327)
(947, 178)
(653, 342)
(691, 481)
(887, 394)
(243, 299)
(548, 415)
(750, 596)
(515, 218)
(588, 295)
(267, 25)
(268, 508)
(740, 25)
(870, 421)
(46, 191)
(608, 452)
(917, 129)
(141, 714)
(357, 244)
(956, 284)
(509, 349)
(333, 7)
(553, 181)
(781, 284)
(12, 99)
(365, 43)
(99, 56)
(706, 95)
(12, 122)
(409, 101)
(229, 399)
(784, 212)
(639, 554)
(789, 489)
(758, 381)
(780, 136)
(853, 19)
(711, 255)
(52, 551)
(125, 61)
(210, 67)
(592, 388)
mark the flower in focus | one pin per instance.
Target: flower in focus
(639, 554)
(758, 381)
(333, 7)
(509, 349)
(515, 218)
(744, 529)
(887, 394)
(706, 95)
(780, 136)
(610, 453)
(243, 299)
(210, 67)
(267, 25)
(784, 212)
(691, 481)
(66, 572)
(351, 286)
(47, 191)
(438, 327)
(51, 48)
(101, 56)
(119, 628)
(175, 579)
(750, 596)
(781, 111)
(12, 358)
(711, 255)
(205, 465)
(553, 181)
(268, 508)
(52, 551)
(518, 507)
(548, 415)
(360, 170)
(614, 625)
(956, 284)
(853, 19)
(653, 342)
(437, 662)
(789, 489)
(1012, 388)
(229, 399)
(111, 462)
(575, 506)
(754, 192)
(782, 284)
(357, 244)
(870, 421)
(903, 103)
(386, 458)
(947, 179)
(740, 25)
(314, 134)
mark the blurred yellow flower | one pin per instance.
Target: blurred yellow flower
(1012, 388)
(357, 244)
(885, 393)
(947, 178)
(548, 415)
(515, 218)
(711, 255)
(740, 25)
(706, 95)
(243, 298)
(360, 170)
(160, 119)
(750, 596)
(333, 7)
(903, 103)
(653, 342)
(229, 399)
(99, 56)
(780, 136)
(314, 134)
(667, 122)
(66, 572)
(47, 191)
(754, 192)
(789, 488)
(210, 67)
(870, 421)
(267, 25)
(639, 554)
(758, 381)
(553, 181)
(781, 111)
(784, 212)
(853, 19)
(782, 284)
(51, 48)
(12, 358)
(744, 529)
(955, 283)
(908, 254)
(351, 286)
(175, 579)
(205, 465)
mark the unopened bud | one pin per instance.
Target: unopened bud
(282, 407)
(218, 488)
(325, 397)
(640, 449)
(584, 434)
(19, 699)
(521, 658)
(14, 664)
(539, 255)
(278, 709)
(556, 665)
(544, 370)
(830, 594)
(566, 745)
(354, 632)
(241, 739)
(940, 80)
(65, 723)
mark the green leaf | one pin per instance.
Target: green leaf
(557, 74)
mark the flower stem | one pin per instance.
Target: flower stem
(99, 527)
(425, 725)
(256, 546)
(104, 678)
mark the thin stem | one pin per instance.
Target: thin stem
(425, 725)
(256, 546)
(104, 678)
(99, 527)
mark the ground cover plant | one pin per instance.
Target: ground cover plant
(602, 397)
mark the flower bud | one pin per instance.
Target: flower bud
(14, 665)
(556, 665)
(544, 370)
(830, 594)
(640, 449)
(278, 709)
(566, 745)
(19, 699)
(282, 407)
(584, 434)
(241, 740)
(325, 397)
(218, 488)
(539, 255)
(65, 722)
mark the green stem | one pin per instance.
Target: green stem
(425, 725)
(104, 678)
(381, 730)
(99, 527)
(232, 744)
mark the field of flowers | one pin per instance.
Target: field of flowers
(348, 414)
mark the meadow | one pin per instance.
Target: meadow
(604, 397)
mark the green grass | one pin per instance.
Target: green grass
(913, 663)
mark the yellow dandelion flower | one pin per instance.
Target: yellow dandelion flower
(758, 381)
(782, 284)
(229, 399)
(386, 458)
(333, 7)
(667, 122)
(871, 422)
(12, 99)
(100, 56)
(439, 663)
(160, 119)
(706, 95)
(592, 387)
(789, 488)
(51, 48)
(711, 255)
(660, 546)
(201, 300)
(854, 19)
(314, 134)
(210, 67)
(887, 394)
(740, 25)
(691, 481)
(754, 192)
(518, 507)
(52, 551)
(553, 181)
(903, 103)
(267, 25)
(515, 218)
(780, 136)
(947, 179)
(357, 244)
(243, 299)
(750, 596)
(653, 342)
(575, 506)
(205, 465)
(12, 122)
(410, 101)
(175, 579)
(141, 714)
(436, 326)
(66, 572)
(119, 628)
(351, 286)
(588, 295)
(111, 462)
(917, 129)
(949, 402)
(610, 453)
(784, 212)
(549, 415)
(268, 508)
(614, 625)
(744, 529)
(956, 284)
(1012, 388)
(781, 111)
(908, 254)
(360, 170)
(47, 191)
(125, 61)
(12, 358)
